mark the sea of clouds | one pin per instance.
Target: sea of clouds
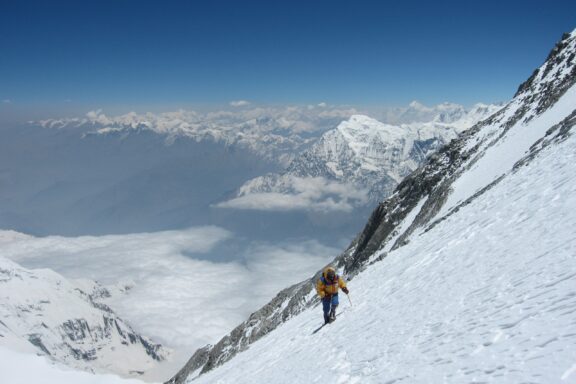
(163, 284)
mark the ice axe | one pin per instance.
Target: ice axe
(347, 295)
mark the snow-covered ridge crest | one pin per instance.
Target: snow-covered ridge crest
(465, 174)
(43, 313)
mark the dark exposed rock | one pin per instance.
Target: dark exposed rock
(76, 329)
(86, 355)
(36, 340)
(79, 330)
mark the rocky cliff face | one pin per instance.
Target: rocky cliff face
(542, 112)
(40, 311)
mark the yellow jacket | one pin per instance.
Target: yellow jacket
(326, 287)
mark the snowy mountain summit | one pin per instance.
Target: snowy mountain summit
(43, 313)
(464, 275)
(358, 149)
(363, 154)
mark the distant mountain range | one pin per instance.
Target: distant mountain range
(276, 134)
(103, 174)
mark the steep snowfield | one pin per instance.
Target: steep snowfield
(501, 157)
(41, 312)
(487, 295)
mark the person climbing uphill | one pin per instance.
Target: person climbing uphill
(327, 288)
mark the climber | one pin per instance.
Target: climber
(327, 288)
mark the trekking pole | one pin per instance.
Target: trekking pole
(347, 295)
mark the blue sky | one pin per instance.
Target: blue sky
(131, 53)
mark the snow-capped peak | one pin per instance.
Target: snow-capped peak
(363, 123)
(364, 154)
(362, 129)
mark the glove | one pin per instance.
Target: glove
(345, 290)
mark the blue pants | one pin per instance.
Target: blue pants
(329, 306)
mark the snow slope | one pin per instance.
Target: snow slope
(488, 295)
(43, 313)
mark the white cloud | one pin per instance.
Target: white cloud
(239, 103)
(310, 194)
(97, 116)
(178, 300)
(7, 101)
(275, 267)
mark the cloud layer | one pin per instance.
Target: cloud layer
(315, 194)
(180, 301)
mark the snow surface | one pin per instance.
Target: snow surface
(501, 157)
(487, 296)
(19, 368)
(404, 225)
